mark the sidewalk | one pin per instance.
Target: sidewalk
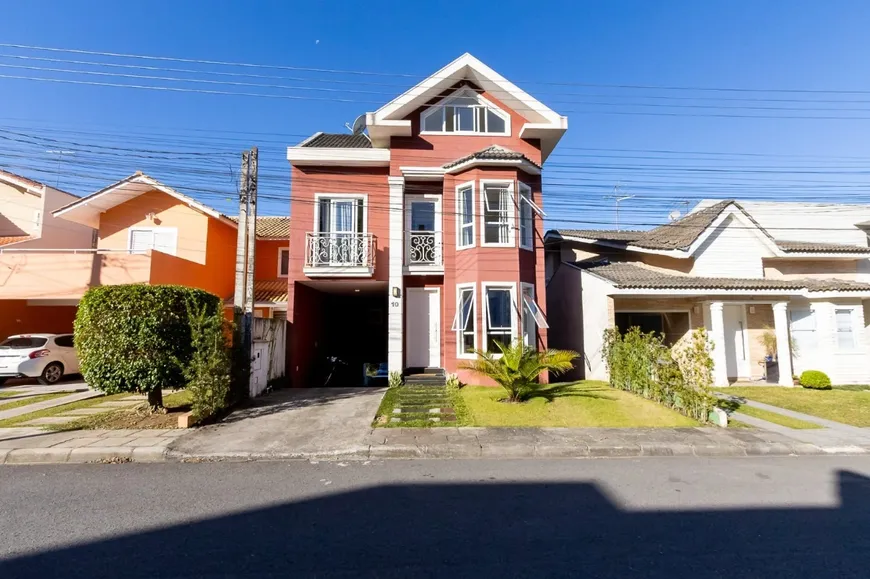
(28, 445)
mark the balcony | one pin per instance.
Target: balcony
(339, 254)
(423, 253)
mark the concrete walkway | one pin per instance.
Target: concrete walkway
(29, 445)
(60, 401)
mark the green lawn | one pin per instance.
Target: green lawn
(576, 404)
(786, 421)
(841, 405)
(31, 400)
(9, 393)
(15, 421)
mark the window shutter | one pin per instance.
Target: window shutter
(165, 241)
(141, 240)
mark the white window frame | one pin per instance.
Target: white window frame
(153, 230)
(511, 217)
(341, 197)
(854, 328)
(526, 314)
(459, 208)
(281, 251)
(459, 327)
(813, 315)
(465, 92)
(484, 290)
(526, 204)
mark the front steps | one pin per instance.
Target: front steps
(424, 404)
(425, 377)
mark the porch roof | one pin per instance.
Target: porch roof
(267, 292)
(639, 276)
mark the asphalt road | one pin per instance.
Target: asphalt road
(651, 518)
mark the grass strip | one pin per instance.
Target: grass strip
(87, 403)
(32, 400)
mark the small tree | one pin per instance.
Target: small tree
(138, 338)
(209, 370)
(518, 367)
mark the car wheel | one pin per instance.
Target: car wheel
(51, 374)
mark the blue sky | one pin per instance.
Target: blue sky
(648, 139)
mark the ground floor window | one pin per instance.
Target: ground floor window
(532, 316)
(464, 321)
(673, 325)
(845, 329)
(803, 331)
(498, 301)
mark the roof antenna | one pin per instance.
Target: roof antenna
(617, 198)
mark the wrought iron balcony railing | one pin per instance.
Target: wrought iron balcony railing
(339, 250)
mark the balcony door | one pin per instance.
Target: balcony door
(423, 229)
(340, 223)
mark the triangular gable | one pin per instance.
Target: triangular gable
(541, 121)
(87, 210)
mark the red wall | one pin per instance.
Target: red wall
(266, 258)
(16, 317)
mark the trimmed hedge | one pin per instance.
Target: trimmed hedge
(139, 338)
(816, 380)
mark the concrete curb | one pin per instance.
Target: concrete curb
(81, 455)
(518, 451)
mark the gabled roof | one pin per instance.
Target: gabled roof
(679, 236)
(639, 276)
(22, 182)
(541, 121)
(270, 227)
(87, 210)
(337, 141)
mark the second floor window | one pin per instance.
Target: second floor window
(465, 213)
(164, 239)
(527, 217)
(340, 215)
(497, 215)
(283, 261)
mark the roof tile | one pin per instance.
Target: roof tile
(492, 153)
(337, 141)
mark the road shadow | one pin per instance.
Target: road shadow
(484, 530)
(290, 398)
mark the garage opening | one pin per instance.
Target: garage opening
(674, 325)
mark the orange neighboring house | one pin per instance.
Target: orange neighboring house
(146, 232)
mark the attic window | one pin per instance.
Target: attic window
(465, 112)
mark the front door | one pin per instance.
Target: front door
(423, 315)
(736, 348)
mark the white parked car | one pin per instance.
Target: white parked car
(46, 357)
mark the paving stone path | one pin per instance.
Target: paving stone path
(424, 403)
(79, 413)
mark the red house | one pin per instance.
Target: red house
(421, 241)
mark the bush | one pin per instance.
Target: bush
(208, 373)
(139, 338)
(816, 380)
(678, 377)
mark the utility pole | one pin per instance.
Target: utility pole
(617, 199)
(252, 244)
(240, 294)
(60, 153)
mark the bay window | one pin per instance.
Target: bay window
(526, 217)
(499, 305)
(464, 322)
(465, 215)
(498, 214)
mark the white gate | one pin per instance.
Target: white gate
(268, 354)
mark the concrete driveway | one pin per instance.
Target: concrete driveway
(289, 423)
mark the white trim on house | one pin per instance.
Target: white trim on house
(338, 156)
(437, 266)
(423, 173)
(283, 250)
(511, 217)
(460, 330)
(485, 286)
(459, 225)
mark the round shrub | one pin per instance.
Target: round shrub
(816, 380)
(138, 338)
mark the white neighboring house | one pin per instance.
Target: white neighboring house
(743, 270)
(26, 221)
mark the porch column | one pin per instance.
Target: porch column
(395, 309)
(783, 347)
(717, 336)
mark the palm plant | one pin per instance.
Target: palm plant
(518, 367)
